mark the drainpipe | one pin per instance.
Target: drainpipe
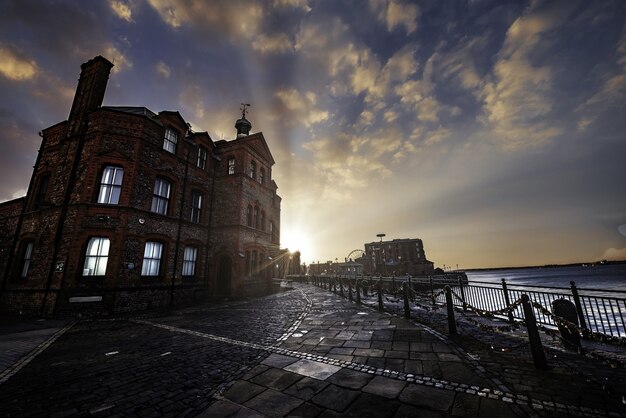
(181, 213)
(207, 269)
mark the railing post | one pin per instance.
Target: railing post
(579, 309)
(407, 309)
(365, 291)
(343, 295)
(462, 294)
(450, 307)
(393, 282)
(432, 290)
(410, 285)
(349, 290)
(380, 295)
(539, 357)
(358, 292)
(334, 285)
(507, 300)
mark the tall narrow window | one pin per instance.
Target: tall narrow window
(202, 157)
(262, 220)
(247, 263)
(170, 141)
(262, 175)
(231, 166)
(28, 254)
(161, 196)
(254, 263)
(249, 216)
(196, 207)
(111, 185)
(252, 169)
(256, 217)
(42, 189)
(152, 259)
(189, 261)
(96, 257)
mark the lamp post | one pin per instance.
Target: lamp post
(382, 252)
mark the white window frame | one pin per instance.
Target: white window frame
(161, 196)
(152, 254)
(111, 185)
(190, 255)
(170, 141)
(96, 256)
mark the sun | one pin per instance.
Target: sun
(296, 240)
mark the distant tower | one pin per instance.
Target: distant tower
(243, 125)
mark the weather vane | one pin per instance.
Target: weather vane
(244, 106)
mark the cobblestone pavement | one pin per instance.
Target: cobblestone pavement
(305, 352)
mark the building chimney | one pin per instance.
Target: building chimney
(89, 95)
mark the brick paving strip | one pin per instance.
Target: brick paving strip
(307, 360)
(17, 366)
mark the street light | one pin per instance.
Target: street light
(382, 252)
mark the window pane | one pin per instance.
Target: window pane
(28, 252)
(161, 196)
(96, 257)
(111, 185)
(151, 259)
(189, 261)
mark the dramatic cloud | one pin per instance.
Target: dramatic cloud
(122, 10)
(15, 65)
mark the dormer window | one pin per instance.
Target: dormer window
(170, 141)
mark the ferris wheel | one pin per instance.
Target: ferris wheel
(354, 254)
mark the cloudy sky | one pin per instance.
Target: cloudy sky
(495, 131)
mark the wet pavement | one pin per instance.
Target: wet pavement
(305, 352)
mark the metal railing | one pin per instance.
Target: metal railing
(598, 310)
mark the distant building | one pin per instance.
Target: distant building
(399, 256)
(128, 209)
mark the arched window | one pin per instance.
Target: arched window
(262, 175)
(256, 217)
(249, 216)
(252, 169)
(96, 257)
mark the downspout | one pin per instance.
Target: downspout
(207, 269)
(180, 225)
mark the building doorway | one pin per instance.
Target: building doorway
(224, 276)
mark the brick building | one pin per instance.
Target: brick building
(399, 256)
(129, 209)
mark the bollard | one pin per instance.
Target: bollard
(507, 300)
(380, 295)
(407, 309)
(539, 357)
(358, 292)
(579, 309)
(451, 320)
(462, 293)
(349, 290)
